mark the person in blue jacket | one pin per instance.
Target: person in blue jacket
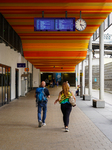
(42, 104)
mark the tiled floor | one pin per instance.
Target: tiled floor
(19, 128)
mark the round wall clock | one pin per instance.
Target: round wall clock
(80, 24)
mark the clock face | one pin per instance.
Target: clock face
(80, 24)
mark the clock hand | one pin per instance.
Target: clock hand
(81, 25)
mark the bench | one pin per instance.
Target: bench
(87, 97)
(98, 103)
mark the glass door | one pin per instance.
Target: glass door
(16, 82)
(1, 86)
(5, 84)
(4, 87)
(9, 85)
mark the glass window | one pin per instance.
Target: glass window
(4, 89)
(0, 86)
(94, 36)
(110, 18)
(9, 84)
(5, 84)
(106, 23)
(97, 32)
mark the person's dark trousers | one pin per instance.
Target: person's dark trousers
(40, 106)
(66, 109)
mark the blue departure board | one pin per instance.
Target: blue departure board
(64, 24)
(45, 24)
(54, 24)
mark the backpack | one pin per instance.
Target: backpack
(40, 95)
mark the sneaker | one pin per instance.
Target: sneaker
(40, 123)
(66, 129)
(43, 124)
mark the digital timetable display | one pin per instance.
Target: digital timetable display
(64, 24)
(44, 24)
(54, 24)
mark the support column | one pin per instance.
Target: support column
(83, 77)
(90, 67)
(101, 103)
(76, 75)
(101, 62)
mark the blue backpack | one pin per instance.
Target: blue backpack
(40, 95)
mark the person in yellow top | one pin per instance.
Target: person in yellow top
(66, 107)
(77, 92)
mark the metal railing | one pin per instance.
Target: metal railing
(9, 36)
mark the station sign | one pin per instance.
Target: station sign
(26, 69)
(21, 65)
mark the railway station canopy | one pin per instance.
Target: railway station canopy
(55, 51)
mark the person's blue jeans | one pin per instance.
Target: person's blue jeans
(42, 105)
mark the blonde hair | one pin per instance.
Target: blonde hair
(65, 88)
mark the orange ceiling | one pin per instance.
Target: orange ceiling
(54, 51)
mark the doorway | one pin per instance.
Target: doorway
(16, 83)
(5, 84)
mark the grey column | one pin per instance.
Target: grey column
(101, 62)
(83, 77)
(76, 75)
(90, 67)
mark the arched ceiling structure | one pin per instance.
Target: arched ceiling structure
(54, 51)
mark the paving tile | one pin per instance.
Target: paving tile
(19, 127)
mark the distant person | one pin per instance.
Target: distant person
(47, 82)
(66, 107)
(53, 82)
(68, 83)
(42, 94)
(77, 91)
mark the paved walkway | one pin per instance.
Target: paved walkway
(107, 95)
(19, 127)
(101, 117)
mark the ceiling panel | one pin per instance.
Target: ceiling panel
(55, 51)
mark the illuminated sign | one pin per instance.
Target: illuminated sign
(21, 65)
(54, 24)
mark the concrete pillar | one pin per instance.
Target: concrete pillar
(90, 67)
(101, 62)
(76, 75)
(101, 103)
(83, 77)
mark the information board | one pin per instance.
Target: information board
(21, 65)
(54, 24)
(64, 24)
(45, 24)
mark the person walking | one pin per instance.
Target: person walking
(68, 83)
(66, 107)
(77, 91)
(41, 94)
(53, 82)
(47, 82)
